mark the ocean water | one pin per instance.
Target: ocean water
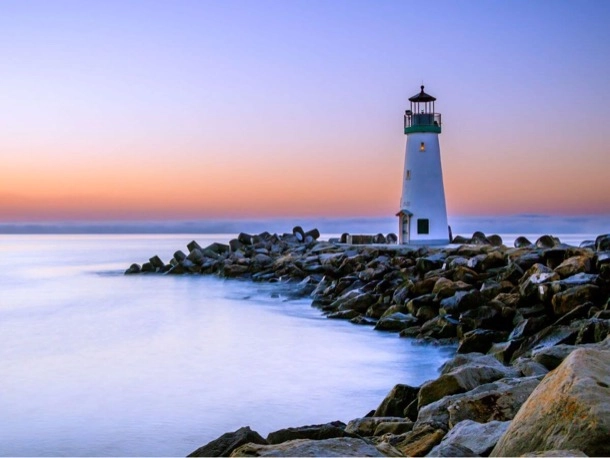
(95, 363)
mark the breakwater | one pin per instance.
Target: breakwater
(523, 317)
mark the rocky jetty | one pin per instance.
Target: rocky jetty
(531, 324)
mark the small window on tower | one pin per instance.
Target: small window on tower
(408, 175)
(422, 147)
(423, 226)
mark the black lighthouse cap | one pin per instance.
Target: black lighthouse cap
(422, 97)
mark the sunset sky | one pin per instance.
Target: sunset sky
(118, 110)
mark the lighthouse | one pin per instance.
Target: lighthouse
(422, 217)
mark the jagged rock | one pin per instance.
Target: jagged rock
(548, 337)
(339, 446)
(570, 409)
(228, 442)
(479, 438)
(396, 401)
(593, 330)
(314, 432)
(530, 368)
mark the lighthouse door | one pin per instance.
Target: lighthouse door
(406, 234)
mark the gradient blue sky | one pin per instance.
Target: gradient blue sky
(240, 109)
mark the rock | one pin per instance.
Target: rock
(570, 409)
(570, 453)
(495, 240)
(451, 450)
(396, 322)
(569, 299)
(341, 446)
(460, 302)
(546, 241)
(314, 432)
(521, 242)
(496, 401)
(420, 441)
(313, 233)
(298, 232)
(574, 265)
(552, 357)
(460, 380)
(479, 340)
(394, 427)
(354, 300)
(536, 275)
(391, 238)
(228, 442)
(602, 243)
(156, 262)
(133, 269)
(366, 426)
(480, 438)
(396, 401)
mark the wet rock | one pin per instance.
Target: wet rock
(495, 240)
(340, 446)
(570, 409)
(355, 300)
(461, 302)
(228, 442)
(480, 438)
(396, 322)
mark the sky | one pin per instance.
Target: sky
(194, 110)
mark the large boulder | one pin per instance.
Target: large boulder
(570, 409)
(480, 438)
(421, 440)
(341, 446)
(396, 322)
(366, 426)
(573, 266)
(228, 442)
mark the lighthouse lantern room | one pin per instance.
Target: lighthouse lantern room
(423, 213)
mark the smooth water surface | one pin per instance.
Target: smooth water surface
(97, 363)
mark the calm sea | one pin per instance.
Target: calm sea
(93, 362)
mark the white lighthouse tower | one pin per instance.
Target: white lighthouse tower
(423, 213)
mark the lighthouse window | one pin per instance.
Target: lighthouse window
(422, 147)
(423, 226)
(408, 175)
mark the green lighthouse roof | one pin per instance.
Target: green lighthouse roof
(422, 97)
